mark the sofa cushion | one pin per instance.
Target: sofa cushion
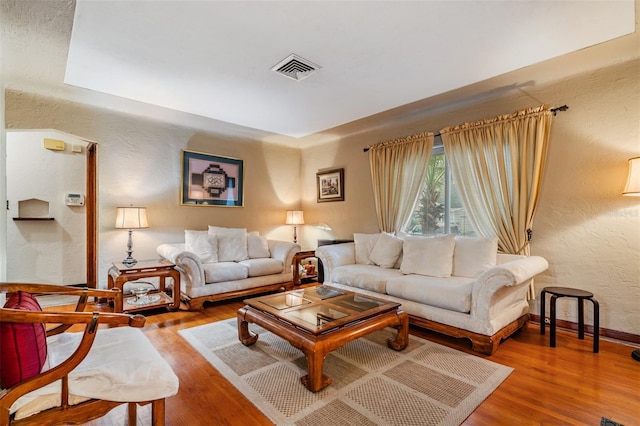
(472, 256)
(364, 244)
(24, 345)
(260, 267)
(257, 246)
(431, 256)
(386, 250)
(452, 293)
(202, 244)
(224, 271)
(232, 243)
(366, 277)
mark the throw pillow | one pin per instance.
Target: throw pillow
(364, 244)
(24, 345)
(432, 256)
(473, 256)
(386, 250)
(202, 244)
(232, 243)
(257, 246)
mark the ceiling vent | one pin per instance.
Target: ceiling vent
(295, 67)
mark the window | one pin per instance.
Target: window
(439, 209)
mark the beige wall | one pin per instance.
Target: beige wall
(589, 232)
(139, 164)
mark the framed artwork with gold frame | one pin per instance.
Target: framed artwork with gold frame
(330, 185)
(211, 180)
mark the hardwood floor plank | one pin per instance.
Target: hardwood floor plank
(566, 385)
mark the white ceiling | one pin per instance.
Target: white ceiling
(214, 58)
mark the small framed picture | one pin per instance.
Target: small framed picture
(330, 185)
(211, 180)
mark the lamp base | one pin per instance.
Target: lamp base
(636, 354)
(129, 262)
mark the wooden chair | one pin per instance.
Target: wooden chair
(90, 372)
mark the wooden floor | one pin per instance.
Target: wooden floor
(566, 385)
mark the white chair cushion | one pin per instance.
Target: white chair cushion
(232, 243)
(473, 256)
(257, 246)
(261, 267)
(202, 244)
(432, 256)
(452, 293)
(109, 372)
(364, 244)
(386, 251)
(224, 271)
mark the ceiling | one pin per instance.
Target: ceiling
(214, 58)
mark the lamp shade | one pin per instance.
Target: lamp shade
(295, 217)
(633, 180)
(131, 218)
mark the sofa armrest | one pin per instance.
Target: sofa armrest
(188, 263)
(283, 251)
(335, 255)
(504, 286)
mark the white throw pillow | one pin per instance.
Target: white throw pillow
(257, 246)
(202, 244)
(386, 250)
(364, 244)
(432, 256)
(232, 243)
(473, 256)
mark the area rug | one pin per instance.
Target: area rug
(425, 384)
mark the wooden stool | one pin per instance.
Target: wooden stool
(581, 295)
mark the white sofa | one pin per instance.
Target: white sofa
(225, 263)
(458, 286)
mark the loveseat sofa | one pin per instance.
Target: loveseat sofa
(224, 263)
(459, 286)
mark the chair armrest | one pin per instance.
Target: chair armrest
(504, 285)
(188, 263)
(283, 251)
(335, 255)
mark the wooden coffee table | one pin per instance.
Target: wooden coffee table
(318, 320)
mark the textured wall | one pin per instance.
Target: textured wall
(589, 232)
(139, 164)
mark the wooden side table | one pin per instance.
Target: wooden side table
(297, 258)
(119, 274)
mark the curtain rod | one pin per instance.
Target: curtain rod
(553, 110)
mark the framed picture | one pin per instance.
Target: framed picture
(211, 180)
(330, 185)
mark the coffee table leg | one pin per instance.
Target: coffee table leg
(315, 381)
(244, 335)
(401, 339)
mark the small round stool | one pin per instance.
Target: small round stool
(581, 295)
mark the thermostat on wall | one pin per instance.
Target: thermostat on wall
(74, 199)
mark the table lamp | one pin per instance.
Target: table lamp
(295, 218)
(131, 218)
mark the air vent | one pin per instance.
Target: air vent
(295, 67)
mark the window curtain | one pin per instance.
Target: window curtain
(398, 168)
(498, 166)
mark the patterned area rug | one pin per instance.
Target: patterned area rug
(426, 384)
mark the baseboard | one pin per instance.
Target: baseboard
(604, 332)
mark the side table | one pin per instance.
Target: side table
(297, 258)
(581, 295)
(119, 274)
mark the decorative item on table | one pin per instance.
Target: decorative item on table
(131, 218)
(295, 218)
(141, 291)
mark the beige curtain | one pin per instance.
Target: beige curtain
(398, 168)
(498, 166)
